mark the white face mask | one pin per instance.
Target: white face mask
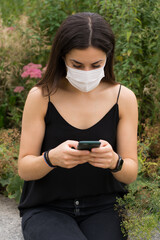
(85, 81)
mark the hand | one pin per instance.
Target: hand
(104, 156)
(64, 156)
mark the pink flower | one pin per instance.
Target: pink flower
(36, 73)
(24, 74)
(10, 28)
(32, 73)
(18, 89)
(32, 70)
(31, 65)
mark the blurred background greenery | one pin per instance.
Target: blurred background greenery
(27, 29)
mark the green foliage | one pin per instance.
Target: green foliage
(18, 45)
(11, 107)
(13, 110)
(142, 203)
(10, 182)
(14, 187)
(49, 14)
(11, 10)
(136, 26)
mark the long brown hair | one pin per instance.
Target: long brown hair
(79, 31)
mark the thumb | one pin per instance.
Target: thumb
(72, 143)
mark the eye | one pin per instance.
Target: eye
(96, 66)
(80, 66)
(76, 66)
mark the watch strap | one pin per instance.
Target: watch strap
(119, 164)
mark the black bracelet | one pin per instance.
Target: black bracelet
(47, 160)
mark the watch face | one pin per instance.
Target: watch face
(121, 163)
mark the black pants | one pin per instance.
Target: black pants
(80, 219)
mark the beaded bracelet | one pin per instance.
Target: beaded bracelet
(47, 160)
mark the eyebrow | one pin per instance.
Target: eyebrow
(82, 63)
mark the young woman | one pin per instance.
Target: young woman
(70, 193)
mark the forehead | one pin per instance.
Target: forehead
(90, 54)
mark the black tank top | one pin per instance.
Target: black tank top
(81, 181)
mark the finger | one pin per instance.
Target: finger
(99, 155)
(79, 153)
(103, 149)
(72, 163)
(72, 143)
(83, 161)
(80, 159)
(103, 143)
(97, 160)
(77, 162)
(100, 165)
(70, 158)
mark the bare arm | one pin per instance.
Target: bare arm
(127, 136)
(105, 157)
(31, 164)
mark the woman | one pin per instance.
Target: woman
(70, 193)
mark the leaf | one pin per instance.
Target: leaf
(4, 182)
(128, 35)
(119, 58)
(129, 52)
(138, 20)
(14, 187)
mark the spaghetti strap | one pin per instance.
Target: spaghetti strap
(118, 93)
(48, 93)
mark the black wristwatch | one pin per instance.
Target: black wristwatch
(119, 164)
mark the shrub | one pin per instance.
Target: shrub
(49, 14)
(10, 10)
(18, 45)
(149, 150)
(142, 206)
(136, 26)
(142, 202)
(10, 182)
(15, 96)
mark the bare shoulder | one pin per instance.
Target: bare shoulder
(36, 101)
(127, 101)
(35, 93)
(127, 96)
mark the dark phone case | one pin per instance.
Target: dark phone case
(88, 145)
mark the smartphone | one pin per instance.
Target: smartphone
(88, 145)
